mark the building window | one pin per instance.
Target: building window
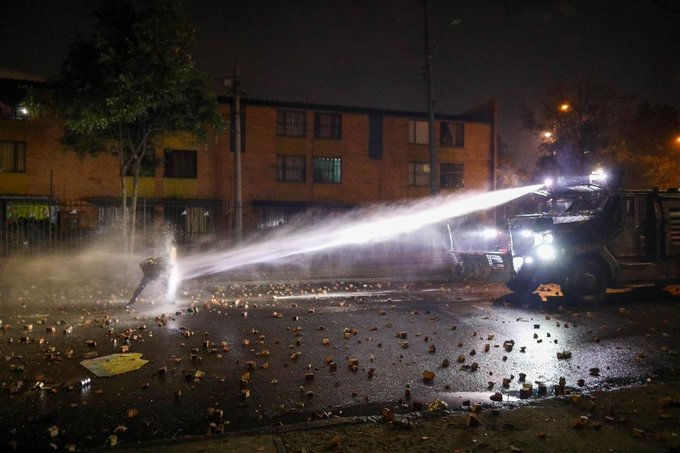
(328, 170)
(12, 157)
(452, 134)
(418, 174)
(328, 125)
(180, 164)
(291, 123)
(291, 168)
(375, 136)
(417, 132)
(452, 176)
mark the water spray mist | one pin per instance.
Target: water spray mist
(362, 227)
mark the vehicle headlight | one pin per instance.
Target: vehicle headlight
(489, 233)
(517, 263)
(546, 252)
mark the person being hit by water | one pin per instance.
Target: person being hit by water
(153, 269)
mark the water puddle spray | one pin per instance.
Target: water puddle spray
(359, 227)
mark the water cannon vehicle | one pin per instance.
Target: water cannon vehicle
(586, 238)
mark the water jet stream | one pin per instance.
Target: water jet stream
(359, 227)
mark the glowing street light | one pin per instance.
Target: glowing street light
(547, 135)
(565, 107)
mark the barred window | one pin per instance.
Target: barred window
(12, 157)
(328, 169)
(328, 125)
(291, 168)
(452, 175)
(418, 174)
(291, 123)
(418, 132)
(180, 164)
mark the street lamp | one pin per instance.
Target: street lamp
(430, 102)
(565, 107)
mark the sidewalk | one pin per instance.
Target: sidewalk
(639, 419)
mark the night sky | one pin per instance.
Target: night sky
(370, 53)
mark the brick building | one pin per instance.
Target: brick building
(298, 155)
(295, 156)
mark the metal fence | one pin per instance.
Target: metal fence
(38, 226)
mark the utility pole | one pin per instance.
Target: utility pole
(238, 200)
(430, 104)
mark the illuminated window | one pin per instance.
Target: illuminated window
(180, 164)
(27, 211)
(291, 168)
(12, 157)
(452, 134)
(328, 170)
(418, 132)
(452, 175)
(418, 174)
(328, 125)
(291, 123)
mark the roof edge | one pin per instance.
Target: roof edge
(471, 116)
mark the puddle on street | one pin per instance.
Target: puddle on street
(455, 399)
(334, 295)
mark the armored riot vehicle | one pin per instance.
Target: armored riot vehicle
(587, 238)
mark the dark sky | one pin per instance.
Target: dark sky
(370, 52)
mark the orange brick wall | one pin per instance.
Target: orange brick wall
(363, 180)
(50, 170)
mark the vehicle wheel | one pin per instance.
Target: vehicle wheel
(521, 285)
(586, 282)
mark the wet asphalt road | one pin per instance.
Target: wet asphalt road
(285, 336)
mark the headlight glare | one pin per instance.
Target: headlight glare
(526, 233)
(489, 233)
(545, 252)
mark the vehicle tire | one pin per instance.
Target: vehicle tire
(521, 285)
(586, 282)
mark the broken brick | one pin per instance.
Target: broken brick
(472, 420)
